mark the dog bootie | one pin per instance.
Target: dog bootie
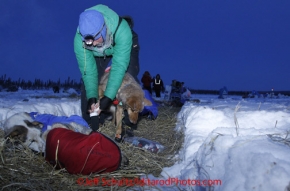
(120, 138)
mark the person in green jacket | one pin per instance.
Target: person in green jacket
(102, 36)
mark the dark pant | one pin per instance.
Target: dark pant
(148, 88)
(157, 92)
(102, 64)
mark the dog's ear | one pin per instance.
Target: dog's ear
(147, 102)
(19, 132)
(35, 124)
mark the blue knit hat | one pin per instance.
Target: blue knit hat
(92, 22)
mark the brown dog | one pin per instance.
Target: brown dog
(131, 97)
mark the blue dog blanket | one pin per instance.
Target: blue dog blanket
(153, 109)
(49, 120)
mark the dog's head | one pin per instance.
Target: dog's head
(21, 127)
(134, 106)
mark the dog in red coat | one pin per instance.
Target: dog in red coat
(82, 154)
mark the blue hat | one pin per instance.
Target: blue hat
(92, 22)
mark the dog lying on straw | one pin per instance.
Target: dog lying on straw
(130, 97)
(66, 141)
(32, 128)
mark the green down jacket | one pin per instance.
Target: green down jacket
(120, 52)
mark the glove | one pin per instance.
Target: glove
(94, 122)
(105, 103)
(91, 101)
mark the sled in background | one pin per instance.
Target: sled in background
(176, 94)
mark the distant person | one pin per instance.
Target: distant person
(102, 36)
(158, 85)
(182, 89)
(173, 83)
(147, 80)
(175, 86)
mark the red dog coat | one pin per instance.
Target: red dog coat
(82, 154)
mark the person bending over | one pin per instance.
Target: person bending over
(103, 36)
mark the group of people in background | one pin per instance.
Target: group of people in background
(157, 83)
(177, 86)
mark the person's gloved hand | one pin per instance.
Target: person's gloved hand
(105, 103)
(94, 122)
(91, 101)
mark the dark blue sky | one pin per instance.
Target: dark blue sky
(241, 44)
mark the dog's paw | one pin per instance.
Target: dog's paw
(119, 138)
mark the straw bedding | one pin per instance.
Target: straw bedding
(22, 169)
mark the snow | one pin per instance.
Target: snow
(234, 140)
(233, 143)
